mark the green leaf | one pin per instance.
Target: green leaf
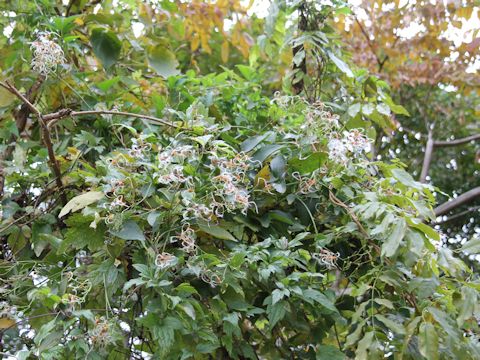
(392, 325)
(385, 302)
(163, 61)
(277, 166)
(467, 304)
(130, 231)
(354, 109)
(252, 142)
(363, 345)
(424, 228)
(390, 246)
(81, 201)
(320, 298)
(79, 234)
(107, 84)
(217, 232)
(276, 312)
(266, 151)
(446, 322)
(106, 46)
(383, 109)
(309, 164)
(428, 341)
(406, 179)
(279, 294)
(247, 71)
(237, 260)
(329, 352)
(472, 246)
(6, 97)
(353, 337)
(340, 64)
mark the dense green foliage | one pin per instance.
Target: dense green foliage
(181, 213)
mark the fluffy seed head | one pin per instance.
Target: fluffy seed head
(46, 54)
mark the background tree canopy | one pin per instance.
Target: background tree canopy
(188, 180)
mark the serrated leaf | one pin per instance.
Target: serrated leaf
(79, 234)
(279, 294)
(81, 201)
(406, 179)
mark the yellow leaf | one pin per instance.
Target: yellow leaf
(263, 176)
(225, 51)
(6, 97)
(6, 323)
(78, 21)
(195, 43)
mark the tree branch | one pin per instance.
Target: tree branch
(302, 67)
(53, 117)
(457, 141)
(369, 42)
(46, 137)
(428, 157)
(457, 216)
(464, 198)
(21, 117)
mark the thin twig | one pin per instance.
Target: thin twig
(456, 142)
(17, 93)
(53, 117)
(352, 214)
(354, 217)
(21, 117)
(45, 134)
(427, 160)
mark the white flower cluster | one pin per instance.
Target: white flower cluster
(117, 202)
(46, 54)
(317, 117)
(7, 311)
(306, 184)
(230, 183)
(353, 141)
(195, 210)
(283, 101)
(139, 148)
(187, 239)
(327, 258)
(206, 275)
(165, 260)
(171, 165)
(101, 334)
